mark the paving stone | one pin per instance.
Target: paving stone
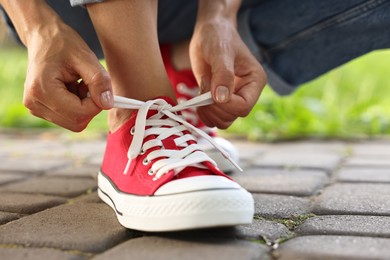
(311, 147)
(38, 165)
(76, 170)
(267, 230)
(87, 149)
(249, 151)
(279, 206)
(27, 203)
(172, 249)
(364, 161)
(362, 199)
(289, 182)
(18, 253)
(10, 177)
(375, 226)
(23, 146)
(353, 174)
(296, 159)
(334, 247)
(58, 186)
(88, 198)
(7, 217)
(82, 227)
(95, 160)
(371, 149)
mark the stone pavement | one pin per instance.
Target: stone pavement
(314, 200)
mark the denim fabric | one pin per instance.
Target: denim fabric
(299, 42)
(295, 41)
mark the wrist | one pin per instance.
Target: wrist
(31, 18)
(218, 10)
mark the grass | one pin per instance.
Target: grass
(350, 101)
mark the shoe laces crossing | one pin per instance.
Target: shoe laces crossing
(171, 125)
(190, 114)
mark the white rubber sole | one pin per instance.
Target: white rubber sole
(182, 211)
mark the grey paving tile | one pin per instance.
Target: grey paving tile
(334, 247)
(18, 253)
(279, 206)
(259, 230)
(25, 145)
(345, 198)
(10, 177)
(249, 151)
(82, 227)
(27, 203)
(58, 186)
(311, 147)
(296, 159)
(87, 148)
(87, 198)
(358, 174)
(263, 229)
(172, 249)
(7, 217)
(289, 182)
(95, 160)
(368, 161)
(374, 226)
(376, 148)
(82, 170)
(37, 165)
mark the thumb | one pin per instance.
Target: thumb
(222, 78)
(98, 82)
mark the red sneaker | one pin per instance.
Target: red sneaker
(156, 178)
(186, 87)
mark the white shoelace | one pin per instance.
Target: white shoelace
(190, 114)
(190, 155)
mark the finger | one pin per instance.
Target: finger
(216, 116)
(202, 73)
(222, 71)
(96, 78)
(42, 111)
(65, 106)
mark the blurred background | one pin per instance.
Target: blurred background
(348, 102)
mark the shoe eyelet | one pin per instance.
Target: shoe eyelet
(151, 172)
(132, 130)
(145, 161)
(142, 152)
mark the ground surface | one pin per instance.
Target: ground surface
(314, 200)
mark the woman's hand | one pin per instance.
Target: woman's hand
(224, 65)
(62, 70)
(58, 59)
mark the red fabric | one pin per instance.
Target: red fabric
(137, 180)
(183, 76)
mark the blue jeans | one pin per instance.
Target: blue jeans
(296, 41)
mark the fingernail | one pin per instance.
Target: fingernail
(107, 99)
(222, 94)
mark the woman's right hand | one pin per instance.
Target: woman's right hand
(62, 69)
